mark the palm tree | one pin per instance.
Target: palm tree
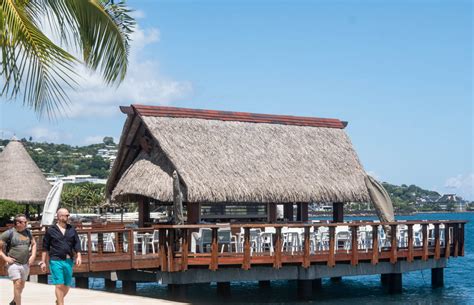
(38, 70)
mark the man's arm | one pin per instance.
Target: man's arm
(46, 246)
(33, 251)
(6, 258)
(77, 248)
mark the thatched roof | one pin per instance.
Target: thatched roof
(235, 157)
(20, 178)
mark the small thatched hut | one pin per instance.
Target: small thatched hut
(230, 159)
(20, 178)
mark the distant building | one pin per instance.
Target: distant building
(76, 179)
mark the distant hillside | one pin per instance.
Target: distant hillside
(63, 159)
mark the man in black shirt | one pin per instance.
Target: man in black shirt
(62, 243)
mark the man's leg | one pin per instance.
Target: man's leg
(61, 291)
(18, 286)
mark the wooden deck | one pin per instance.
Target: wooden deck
(440, 239)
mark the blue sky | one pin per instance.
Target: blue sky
(399, 71)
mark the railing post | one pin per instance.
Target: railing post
(100, 243)
(437, 253)
(162, 242)
(89, 250)
(375, 244)
(171, 247)
(461, 239)
(425, 241)
(116, 242)
(394, 246)
(354, 246)
(332, 238)
(447, 240)
(410, 243)
(306, 261)
(214, 250)
(246, 262)
(277, 263)
(456, 239)
(131, 248)
(184, 250)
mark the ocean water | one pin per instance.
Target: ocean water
(458, 280)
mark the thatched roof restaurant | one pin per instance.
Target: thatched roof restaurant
(232, 157)
(20, 178)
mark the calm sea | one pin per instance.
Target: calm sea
(458, 289)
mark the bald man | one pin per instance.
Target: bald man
(62, 243)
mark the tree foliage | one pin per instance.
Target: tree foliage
(37, 69)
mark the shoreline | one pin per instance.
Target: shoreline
(363, 214)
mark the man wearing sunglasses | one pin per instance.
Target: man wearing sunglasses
(62, 243)
(17, 255)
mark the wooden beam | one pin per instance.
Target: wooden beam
(337, 212)
(410, 243)
(437, 254)
(332, 239)
(194, 212)
(306, 261)
(393, 243)
(288, 211)
(214, 250)
(278, 243)
(447, 240)
(272, 212)
(375, 244)
(354, 247)
(143, 212)
(424, 229)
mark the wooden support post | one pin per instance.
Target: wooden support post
(278, 243)
(384, 279)
(375, 244)
(306, 244)
(338, 212)
(185, 250)
(395, 283)
(317, 284)
(424, 228)
(461, 239)
(305, 291)
(246, 262)
(143, 213)
(129, 287)
(304, 211)
(194, 212)
(82, 282)
(43, 278)
(171, 249)
(437, 253)
(410, 243)
(437, 277)
(393, 243)
(288, 211)
(447, 240)
(298, 211)
(264, 284)
(223, 289)
(109, 284)
(214, 251)
(162, 243)
(354, 247)
(456, 230)
(332, 239)
(272, 212)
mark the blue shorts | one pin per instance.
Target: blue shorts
(61, 271)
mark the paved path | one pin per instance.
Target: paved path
(42, 294)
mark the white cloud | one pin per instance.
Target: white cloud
(137, 14)
(42, 134)
(144, 84)
(462, 185)
(93, 140)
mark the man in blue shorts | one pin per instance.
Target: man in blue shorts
(62, 243)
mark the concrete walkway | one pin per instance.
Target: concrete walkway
(42, 294)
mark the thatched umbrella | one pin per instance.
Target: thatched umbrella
(20, 178)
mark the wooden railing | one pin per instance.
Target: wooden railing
(173, 248)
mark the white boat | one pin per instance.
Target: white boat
(51, 204)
